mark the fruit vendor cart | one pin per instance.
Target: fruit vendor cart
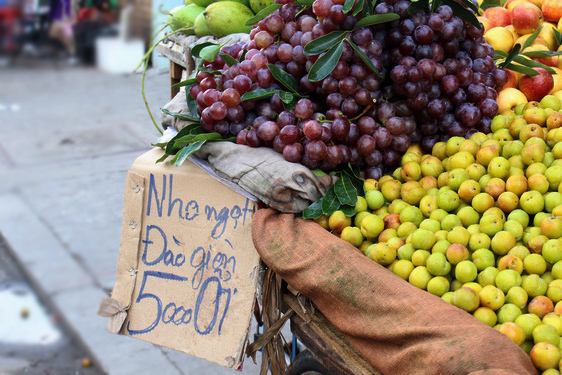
(400, 177)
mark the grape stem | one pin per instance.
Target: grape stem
(367, 109)
(145, 62)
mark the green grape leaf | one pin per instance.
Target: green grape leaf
(262, 14)
(348, 5)
(209, 53)
(258, 94)
(348, 211)
(330, 202)
(318, 172)
(375, 20)
(187, 82)
(531, 39)
(314, 211)
(541, 53)
(345, 191)
(181, 116)
(196, 49)
(192, 106)
(291, 105)
(522, 69)
(229, 60)
(243, 57)
(185, 152)
(464, 13)
(321, 44)
(359, 8)
(533, 64)
(284, 78)
(325, 64)
(353, 173)
(162, 158)
(514, 52)
(307, 3)
(490, 4)
(418, 5)
(471, 5)
(286, 97)
(558, 36)
(194, 138)
(364, 57)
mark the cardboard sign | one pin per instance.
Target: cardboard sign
(187, 269)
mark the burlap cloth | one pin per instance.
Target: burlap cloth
(399, 328)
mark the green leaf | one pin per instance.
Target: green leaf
(558, 36)
(243, 57)
(192, 106)
(325, 64)
(348, 210)
(194, 128)
(193, 138)
(319, 45)
(522, 69)
(181, 116)
(348, 5)
(330, 202)
(186, 152)
(314, 211)
(286, 97)
(284, 78)
(533, 64)
(291, 105)
(514, 52)
(470, 5)
(198, 47)
(359, 8)
(463, 12)
(364, 57)
(490, 4)
(161, 159)
(499, 53)
(353, 174)
(304, 2)
(531, 39)
(258, 94)
(375, 20)
(229, 60)
(187, 82)
(262, 14)
(209, 53)
(416, 6)
(541, 53)
(319, 172)
(345, 191)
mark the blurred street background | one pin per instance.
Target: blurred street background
(70, 127)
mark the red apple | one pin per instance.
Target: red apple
(537, 87)
(552, 10)
(498, 16)
(527, 18)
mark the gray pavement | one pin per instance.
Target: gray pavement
(67, 138)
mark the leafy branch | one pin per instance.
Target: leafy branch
(342, 195)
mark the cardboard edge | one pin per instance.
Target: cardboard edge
(127, 263)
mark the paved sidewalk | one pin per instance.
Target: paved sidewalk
(67, 139)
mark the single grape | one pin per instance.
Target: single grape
(293, 152)
(340, 128)
(316, 150)
(304, 108)
(235, 114)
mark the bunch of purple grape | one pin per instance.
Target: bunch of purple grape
(435, 79)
